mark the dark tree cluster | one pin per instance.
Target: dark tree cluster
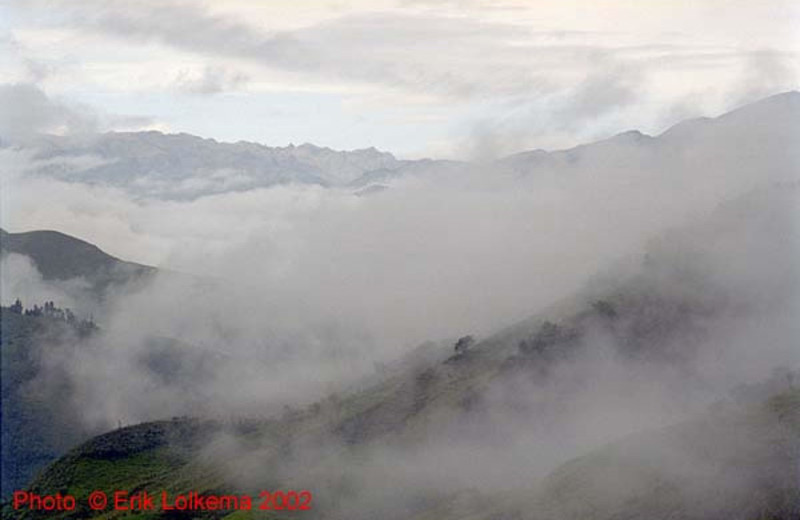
(548, 336)
(50, 310)
(605, 309)
(463, 344)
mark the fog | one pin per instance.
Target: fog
(283, 295)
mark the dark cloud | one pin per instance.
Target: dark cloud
(28, 111)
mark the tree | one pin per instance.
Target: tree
(463, 344)
(604, 309)
(16, 308)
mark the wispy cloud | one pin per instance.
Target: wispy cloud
(28, 112)
(606, 73)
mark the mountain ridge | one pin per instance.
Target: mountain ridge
(183, 166)
(59, 256)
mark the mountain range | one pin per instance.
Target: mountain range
(183, 166)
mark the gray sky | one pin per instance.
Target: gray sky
(415, 77)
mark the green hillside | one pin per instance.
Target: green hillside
(329, 446)
(28, 411)
(734, 458)
(733, 462)
(386, 449)
(41, 416)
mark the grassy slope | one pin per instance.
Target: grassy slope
(734, 462)
(731, 463)
(412, 400)
(401, 410)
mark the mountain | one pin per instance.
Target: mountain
(732, 462)
(38, 393)
(42, 413)
(736, 460)
(60, 257)
(183, 166)
(762, 130)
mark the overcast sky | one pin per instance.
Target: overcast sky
(415, 77)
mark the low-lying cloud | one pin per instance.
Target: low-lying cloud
(316, 277)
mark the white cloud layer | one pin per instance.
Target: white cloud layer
(502, 65)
